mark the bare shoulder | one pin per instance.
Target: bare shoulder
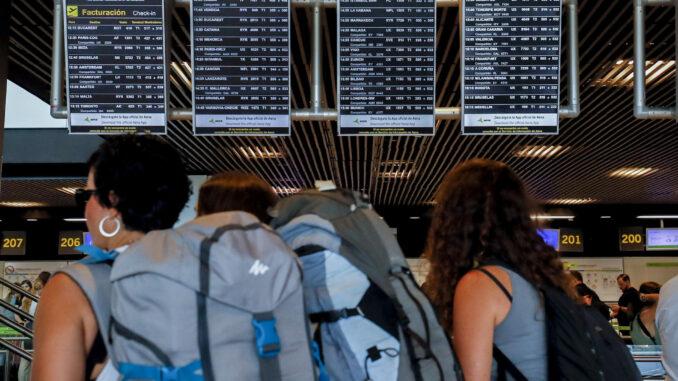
(479, 283)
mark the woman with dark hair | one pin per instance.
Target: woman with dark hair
(136, 183)
(643, 329)
(483, 247)
(235, 190)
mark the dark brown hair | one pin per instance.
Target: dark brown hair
(236, 191)
(482, 212)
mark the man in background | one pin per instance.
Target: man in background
(588, 296)
(629, 303)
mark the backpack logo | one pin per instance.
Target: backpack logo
(258, 268)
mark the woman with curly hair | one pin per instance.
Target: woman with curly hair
(487, 261)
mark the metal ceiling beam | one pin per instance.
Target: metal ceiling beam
(640, 108)
(316, 113)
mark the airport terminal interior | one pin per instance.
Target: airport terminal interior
(382, 97)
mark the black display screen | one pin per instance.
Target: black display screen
(241, 67)
(511, 66)
(386, 67)
(115, 66)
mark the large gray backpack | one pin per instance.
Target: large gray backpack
(219, 298)
(373, 321)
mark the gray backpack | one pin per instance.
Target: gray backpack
(374, 322)
(219, 298)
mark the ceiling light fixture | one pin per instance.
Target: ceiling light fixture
(259, 153)
(620, 73)
(605, 217)
(550, 217)
(631, 172)
(68, 190)
(571, 201)
(541, 152)
(177, 69)
(658, 217)
(21, 204)
(75, 219)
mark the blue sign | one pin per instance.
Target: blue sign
(88, 239)
(550, 236)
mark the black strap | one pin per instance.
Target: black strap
(495, 280)
(308, 250)
(645, 331)
(97, 354)
(505, 365)
(334, 315)
(131, 335)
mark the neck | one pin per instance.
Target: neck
(124, 238)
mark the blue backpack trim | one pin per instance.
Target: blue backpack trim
(268, 341)
(322, 374)
(95, 254)
(161, 373)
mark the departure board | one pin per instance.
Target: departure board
(511, 66)
(386, 67)
(115, 66)
(241, 67)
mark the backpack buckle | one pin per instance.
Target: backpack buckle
(169, 374)
(267, 339)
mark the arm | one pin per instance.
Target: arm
(65, 328)
(653, 298)
(479, 306)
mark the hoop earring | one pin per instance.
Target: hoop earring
(103, 232)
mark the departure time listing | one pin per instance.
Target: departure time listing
(115, 66)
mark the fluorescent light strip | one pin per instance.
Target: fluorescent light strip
(658, 217)
(75, 219)
(550, 217)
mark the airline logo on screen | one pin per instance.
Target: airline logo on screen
(72, 11)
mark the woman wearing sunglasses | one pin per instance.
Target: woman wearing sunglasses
(136, 183)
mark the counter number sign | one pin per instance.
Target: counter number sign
(632, 238)
(13, 243)
(69, 240)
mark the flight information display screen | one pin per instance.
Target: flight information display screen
(551, 237)
(386, 67)
(662, 239)
(241, 67)
(115, 66)
(510, 66)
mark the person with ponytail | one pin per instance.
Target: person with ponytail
(487, 261)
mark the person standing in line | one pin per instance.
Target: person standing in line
(233, 190)
(590, 297)
(628, 305)
(136, 183)
(483, 246)
(666, 318)
(644, 329)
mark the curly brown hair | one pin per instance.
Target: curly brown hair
(482, 213)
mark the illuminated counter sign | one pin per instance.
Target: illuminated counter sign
(386, 67)
(69, 240)
(115, 66)
(662, 239)
(13, 243)
(510, 66)
(631, 238)
(241, 67)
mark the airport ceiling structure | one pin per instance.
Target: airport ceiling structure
(603, 156)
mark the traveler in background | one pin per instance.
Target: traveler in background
(44, 277)
(588, 296)
(666, 318)
(643, 329)
(136, 183)
(482, 218)
(27, 286)
(629, 303)
(234, 190)
(29, 306)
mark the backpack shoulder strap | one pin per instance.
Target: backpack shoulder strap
(93, 280)
(497, 282)
(645, 330)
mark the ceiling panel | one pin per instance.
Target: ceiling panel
(407, 170)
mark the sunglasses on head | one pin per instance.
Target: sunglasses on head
(82, 196)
